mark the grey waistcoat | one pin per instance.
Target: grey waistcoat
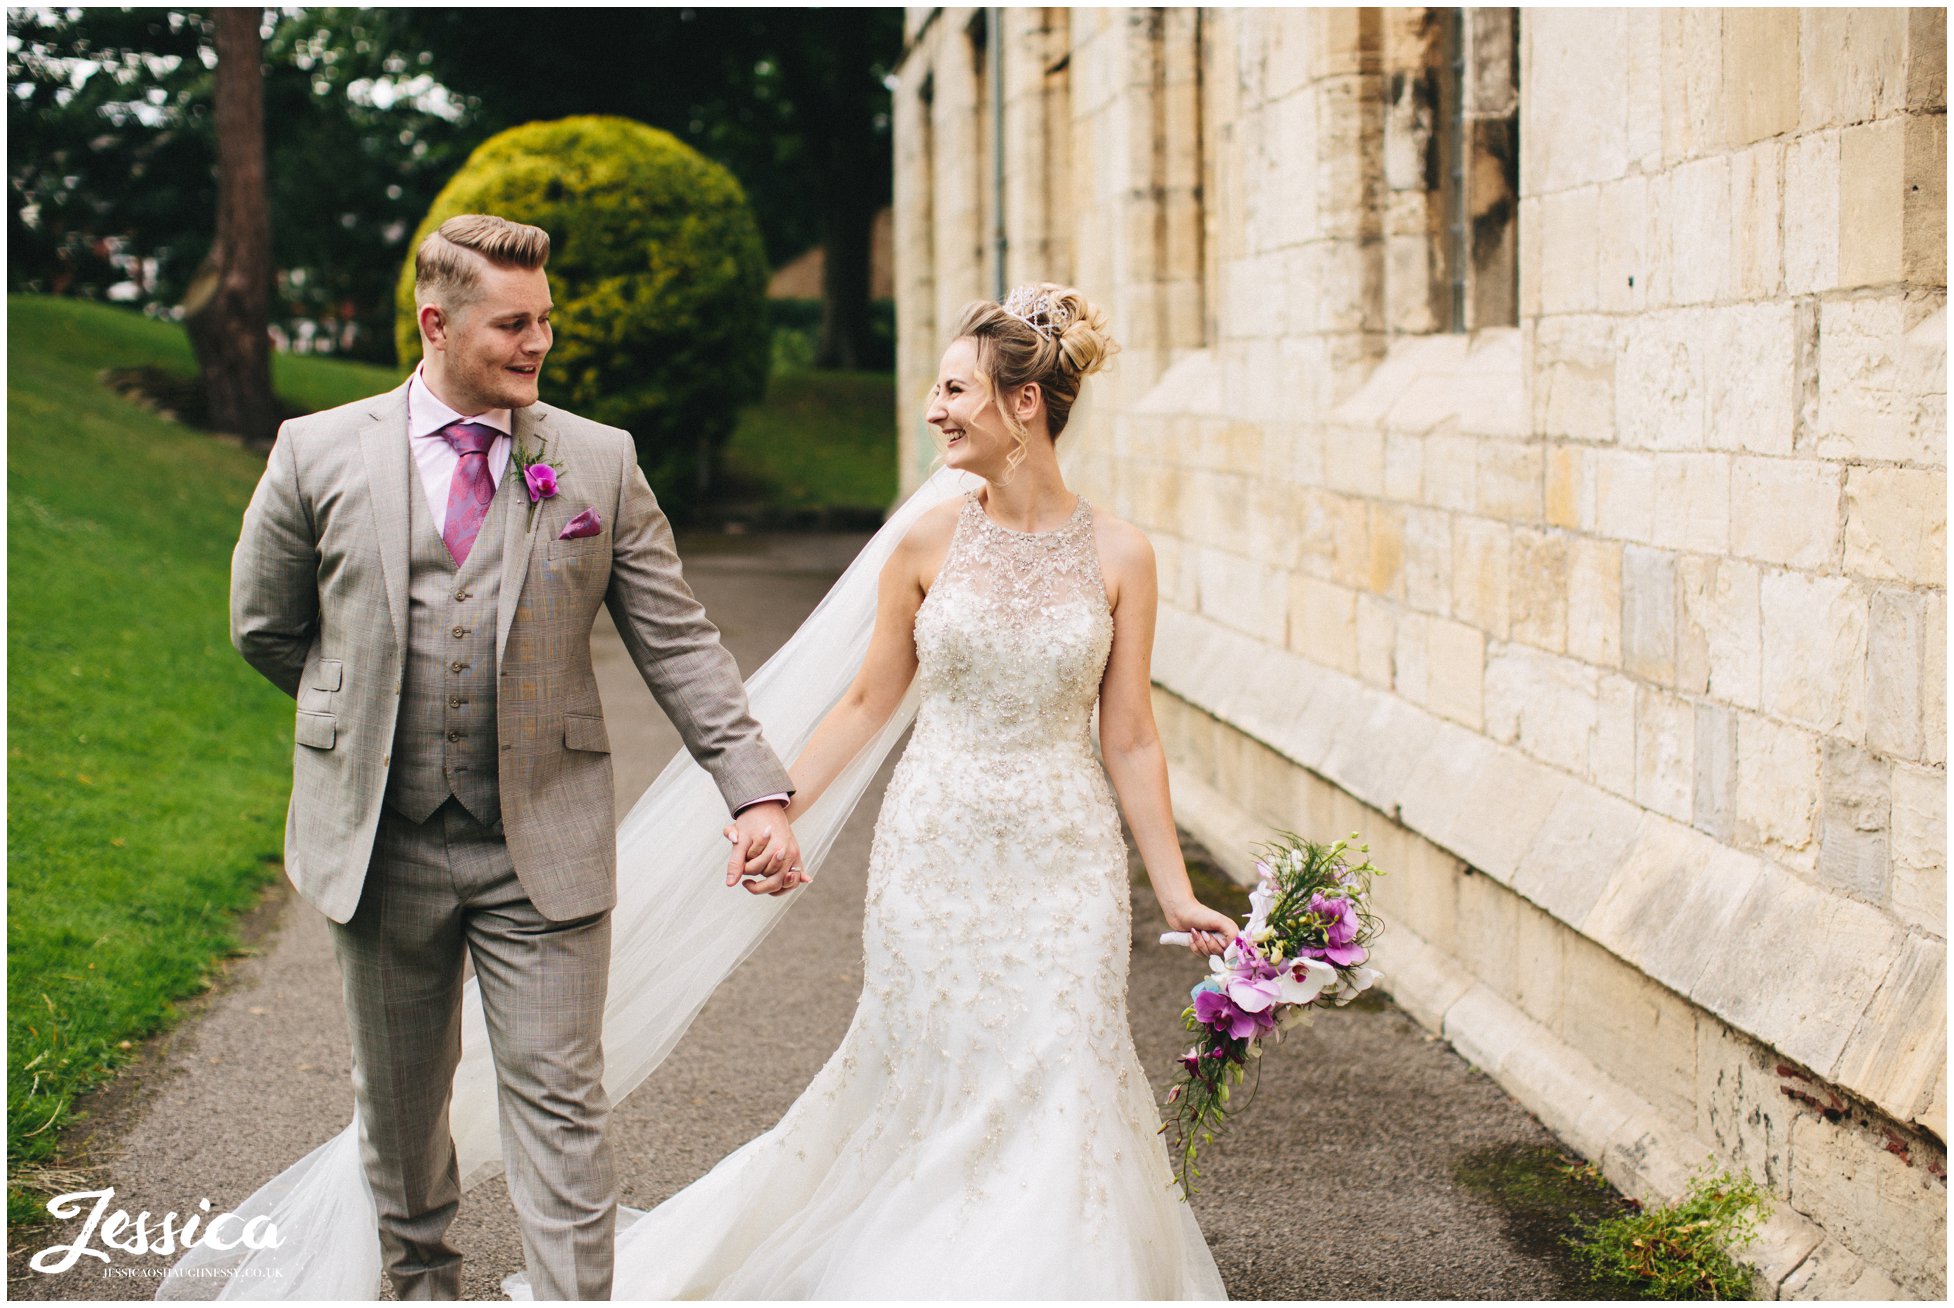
(444, 740)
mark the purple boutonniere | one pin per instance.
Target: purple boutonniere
(539, 478)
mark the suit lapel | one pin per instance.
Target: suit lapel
(531, 433)
(389, 473)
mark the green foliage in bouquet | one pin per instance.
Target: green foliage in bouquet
(658, 276)
(1682, 1250)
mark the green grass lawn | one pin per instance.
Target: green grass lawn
(821, 440)
(148, 766)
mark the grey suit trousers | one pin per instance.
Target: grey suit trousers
(433, 891)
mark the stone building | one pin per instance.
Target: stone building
(1540, 419)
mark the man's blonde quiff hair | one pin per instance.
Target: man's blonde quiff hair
(448, 266)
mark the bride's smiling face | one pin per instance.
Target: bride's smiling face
(975, 438)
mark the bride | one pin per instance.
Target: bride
(985, 1130)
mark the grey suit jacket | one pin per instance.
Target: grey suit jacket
(319, 606)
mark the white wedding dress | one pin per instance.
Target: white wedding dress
(985, 1130)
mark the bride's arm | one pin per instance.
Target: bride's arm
(1129, 741)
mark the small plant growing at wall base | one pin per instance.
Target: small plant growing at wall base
(1685, 1249)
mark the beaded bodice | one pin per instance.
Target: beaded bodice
(1012, 639)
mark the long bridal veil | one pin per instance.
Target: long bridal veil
(677, 931)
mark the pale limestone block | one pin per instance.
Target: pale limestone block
(1350, 549)
(1692, 83)
(1451, 471)
(1456, 663)
(1420, 978)
(1353, 460)
(1509, 480)
(1644, 89)
(1693, 502)
(1576, 851)
(1485, 1029)
(1577, 58)
(1624, 494)
(1665, 748)
(1502, 812)
(1760, 73)
(1715, 761)
(1671, 902)
(1384, 558)
(1856, 815)
(1568, 260)
(1882, 380)
(1802, 1001)
(1757, 208)
(1428, 560)
(1895, 649)
(1544, 704)
(1245, 595)
(1404, 467)
(1432, 793)
(1719, 650)
(1896, 524)
(1833, 1273)
(1649, 614)
(1785, 511)
(1410, 659)
(1634, 1030)
(1838, 1167)
(1612, 760)
(1572, 389)
(1933, 681)
(1923, 254)
(1323, 623)
(1901, 1044)
(1377, 638)
(1538, 594)
(1752, 377)
(1489, 932)
(1919, 891)
(1594, 601)
(1926, 58)
(1662, 401)
(1481, 573)
(1539, 980)
(1814, 666)
(1872, 202)
(1699, 231)
(1569, 490)
(1854, 65)
(1741, 1110)
(1785, 1242)
(1777, 789)
(1621, 242)
(1811, 213)
(1315, 520)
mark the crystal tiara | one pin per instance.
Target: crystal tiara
(1038, 310)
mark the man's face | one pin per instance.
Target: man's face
(489, 354)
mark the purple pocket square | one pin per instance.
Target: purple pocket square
(584, 524)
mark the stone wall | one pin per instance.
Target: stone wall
(1616, 620)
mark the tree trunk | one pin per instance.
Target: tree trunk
(228, 307)
(847, 227)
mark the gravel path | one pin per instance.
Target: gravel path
(1338, 1183)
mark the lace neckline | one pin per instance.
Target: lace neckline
(1080, 512)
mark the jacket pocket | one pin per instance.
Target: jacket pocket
(581, 731)
(316, 730)
(328, 675)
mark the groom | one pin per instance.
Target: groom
(427, 598)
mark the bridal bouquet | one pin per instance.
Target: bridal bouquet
(1306, 940)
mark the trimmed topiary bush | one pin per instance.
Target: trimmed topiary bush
(658, 275)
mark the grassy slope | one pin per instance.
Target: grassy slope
(148, 766)
(820, 440)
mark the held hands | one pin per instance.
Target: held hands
(764, 849)
(1211, 932)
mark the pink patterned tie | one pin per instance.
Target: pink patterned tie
(472, 490)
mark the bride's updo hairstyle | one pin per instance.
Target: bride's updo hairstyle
(1043, 333)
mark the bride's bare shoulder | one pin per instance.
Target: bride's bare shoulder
(1125, 554)
(923, 547)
